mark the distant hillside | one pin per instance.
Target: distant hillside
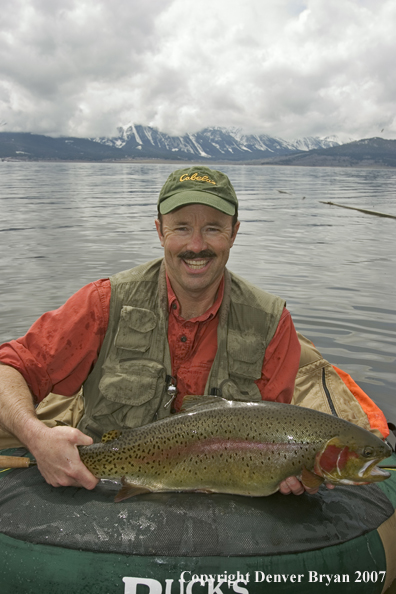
(144, 142)
(370, 152)
(26, 146)
(208, 145)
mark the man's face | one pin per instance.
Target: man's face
(197, 240)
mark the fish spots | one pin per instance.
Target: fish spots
(234, 451)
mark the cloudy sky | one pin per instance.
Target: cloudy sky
(287, 68)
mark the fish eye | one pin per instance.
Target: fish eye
(368, 451)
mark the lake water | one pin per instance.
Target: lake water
(63, 225)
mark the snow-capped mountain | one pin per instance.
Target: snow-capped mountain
(210, 143)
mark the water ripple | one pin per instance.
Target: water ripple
(66, 224)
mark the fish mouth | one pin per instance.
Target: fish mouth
(372, 471)
(369, 472)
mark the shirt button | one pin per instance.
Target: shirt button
(183, 338)
(174, 305)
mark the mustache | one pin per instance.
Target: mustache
(200, 256)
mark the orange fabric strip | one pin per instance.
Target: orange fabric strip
(374, 414)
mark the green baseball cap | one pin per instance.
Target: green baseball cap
(198, 185)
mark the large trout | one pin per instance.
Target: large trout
(240, 448)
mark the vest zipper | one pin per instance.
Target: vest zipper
(328, 395)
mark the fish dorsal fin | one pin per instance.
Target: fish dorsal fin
(129, 490)
(111, 435)
(196, 402)
(310, 479)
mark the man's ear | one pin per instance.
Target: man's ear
(158, 226)
(236, 229)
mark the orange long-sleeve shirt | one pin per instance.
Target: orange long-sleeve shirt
(62, 346)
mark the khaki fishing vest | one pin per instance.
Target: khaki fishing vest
(128, 385)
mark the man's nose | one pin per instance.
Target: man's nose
(197, 242)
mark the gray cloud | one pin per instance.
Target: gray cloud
(288, 68)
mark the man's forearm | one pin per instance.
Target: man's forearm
(55, 449)
(17, 414)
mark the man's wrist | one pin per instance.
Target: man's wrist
(33, 432)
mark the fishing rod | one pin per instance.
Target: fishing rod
(7, 462)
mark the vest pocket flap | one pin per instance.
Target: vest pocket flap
(135, 329)
(246, 354)
(134, 382)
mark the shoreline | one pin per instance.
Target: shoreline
(198, 161)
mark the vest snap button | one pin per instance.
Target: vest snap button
(183, 338)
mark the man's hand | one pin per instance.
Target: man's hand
(58, 460)
(55, 450)
(293, 485)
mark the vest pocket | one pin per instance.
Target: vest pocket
(245, 355)
(134, 382)
(135, 329)
(131, 395)
(240, 389)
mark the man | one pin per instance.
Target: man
(142, 340)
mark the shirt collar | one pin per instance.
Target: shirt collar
(208, 315)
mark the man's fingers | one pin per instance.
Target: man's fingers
(293, 485)
(84, 478)
(67, 472)
(284, 488)
(58, 458)
(81, 478)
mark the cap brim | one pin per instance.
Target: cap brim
(194, 197)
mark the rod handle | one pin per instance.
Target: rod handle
(14, 462)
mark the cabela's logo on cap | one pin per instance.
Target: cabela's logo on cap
(196, 177)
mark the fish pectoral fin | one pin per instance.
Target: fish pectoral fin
(129, 490)
(111, 435)
(310, 479)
